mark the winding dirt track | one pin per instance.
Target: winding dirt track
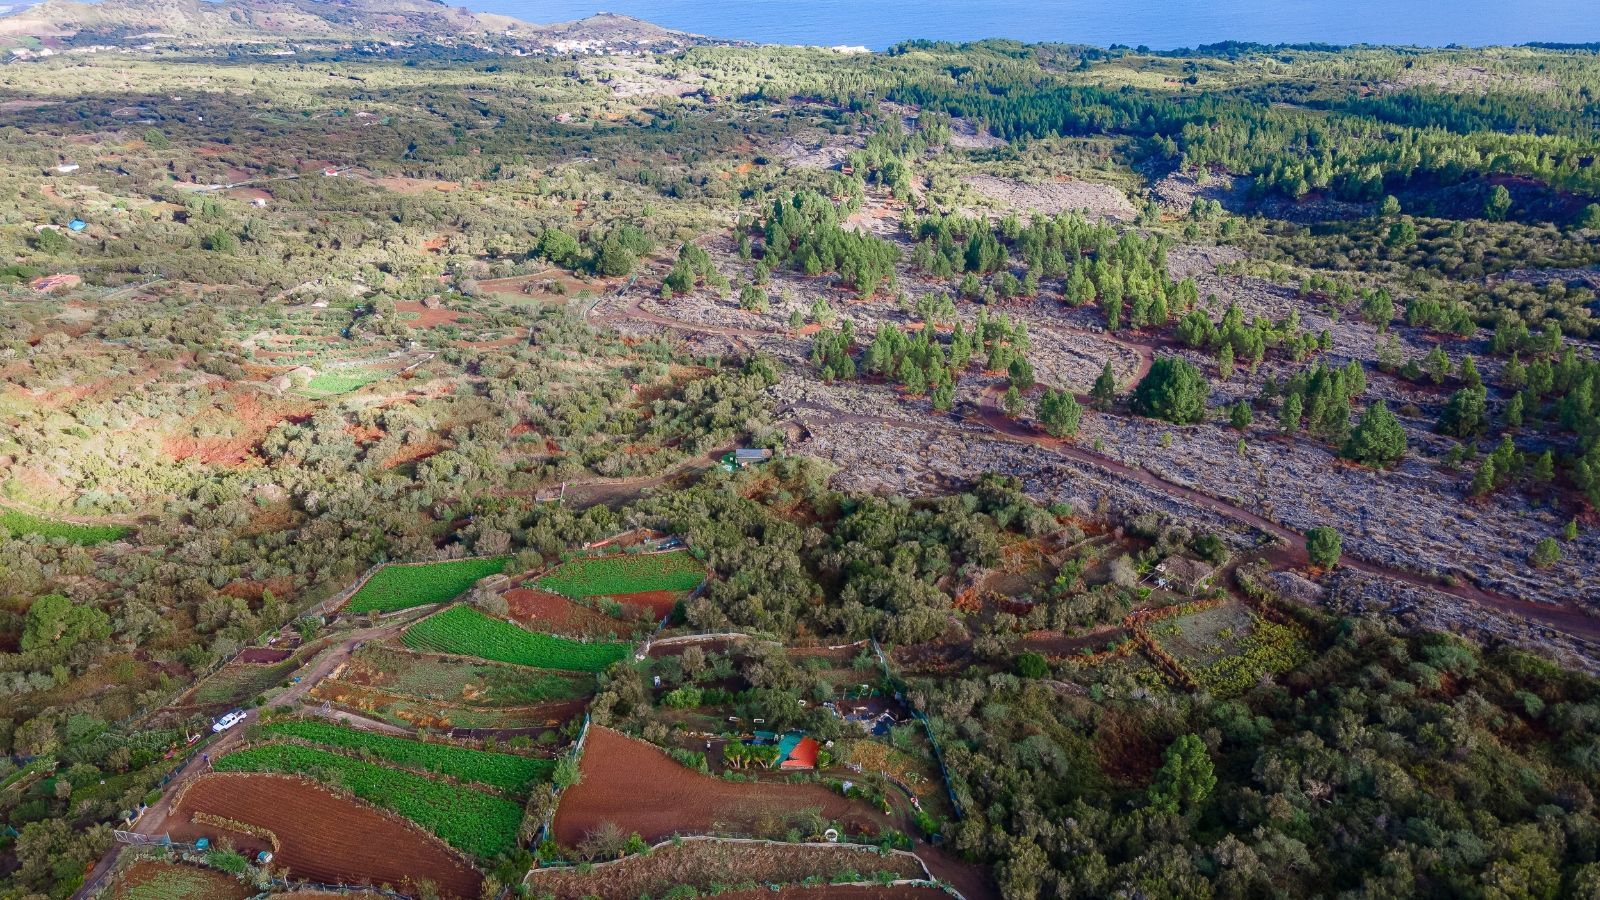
(1573, 622)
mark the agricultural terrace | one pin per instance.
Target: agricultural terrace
(506, 771)
(396, 587)
(625, 573)
(148, 879)
(418, 690)
(17, 522)
(706, 865)
(1228, 648)
(637, 787)
(331, 384)
(322, 836)
(470, 820)
(463, 631)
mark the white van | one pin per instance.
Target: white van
(227, 721)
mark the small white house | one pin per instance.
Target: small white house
(67, 168)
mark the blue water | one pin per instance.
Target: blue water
(1160, 24)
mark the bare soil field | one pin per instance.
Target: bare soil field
(641, 789)
(703, 864)
(545, 611)
(324, 837)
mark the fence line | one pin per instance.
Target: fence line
(927, 726)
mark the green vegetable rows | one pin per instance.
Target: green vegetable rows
(625, 574)
(466, 819)
(502, 770)
(18, 522)
(465, 631)
(402, 587)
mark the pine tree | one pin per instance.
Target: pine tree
(1012, 402)
(1104, 393)
(1289, 416)
(1060, 413)
(1240, 415)
(1379, 440)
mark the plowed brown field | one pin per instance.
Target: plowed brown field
(324, 837)
(643, 790)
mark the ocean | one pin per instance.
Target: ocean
(1159, 24)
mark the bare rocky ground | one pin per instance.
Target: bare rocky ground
(1587, 277)
(1096, 201)
(1176, 193)
(1358, 594)
(1414, 518)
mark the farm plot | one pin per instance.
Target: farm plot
(555, 613)
(639, 788)
(396, 587)
(340, 381)
(464, 631)
(623, 574)
(466, 819)
(15, 521)
(461, 680)
(238, 681)
(436, 715)
(148, 879)
(1228, 648)
(506, 771)
(707, 864)
(323, 837)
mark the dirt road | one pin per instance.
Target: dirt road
(157, 820)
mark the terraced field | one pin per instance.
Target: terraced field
(464, 631)
(396, 587)
(623, 573)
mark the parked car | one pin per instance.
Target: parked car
(227, 721)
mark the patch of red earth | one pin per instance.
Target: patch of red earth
(638, 787)
(252, 417)
(364, 434)
(544, 610)
(435, 244)
(659, 603)
(249, 193)
(411, 453)
(323, 836)
(427, 317)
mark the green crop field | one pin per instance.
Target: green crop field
(465, 631)
(625, 574)
(18, 522)
(332, 384)
(501, 770)
(466, 819)
(396, 587)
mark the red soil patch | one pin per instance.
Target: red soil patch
(324, 837)
(544, 610)
(252, 420)
(658, 602)
(643, 790)
(427, 317)
(411, 453)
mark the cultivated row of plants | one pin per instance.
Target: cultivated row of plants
(396, 587)
(467, 819)
(464, 631)
(507, 771)
(625, 574)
